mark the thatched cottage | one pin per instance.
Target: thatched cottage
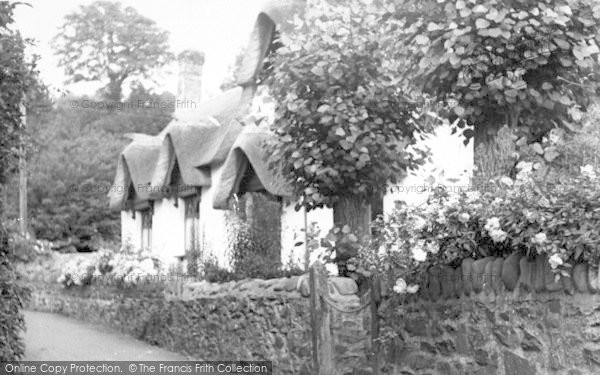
(179, 184)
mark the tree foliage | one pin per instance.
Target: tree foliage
(72, 164)
(103, 41)
(522, 63)
(342, 122)
(17, 78)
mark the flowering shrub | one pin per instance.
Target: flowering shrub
(548, 204)
(113, 268)
(531, 213)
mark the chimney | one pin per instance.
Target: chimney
(189, 87)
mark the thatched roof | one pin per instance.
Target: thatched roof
(274, 15)
(134, 172)
(200, 139)
(248, 162)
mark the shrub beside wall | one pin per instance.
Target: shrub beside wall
(13, 295)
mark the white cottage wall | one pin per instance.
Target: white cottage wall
(168, 229)
(131, 230)
(293, 231)
(213, 226)
(450, 159)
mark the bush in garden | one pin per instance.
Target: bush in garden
(557, 218)
(254, 238)
(13, 298)
(112, 268)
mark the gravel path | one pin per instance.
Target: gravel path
(52, 337)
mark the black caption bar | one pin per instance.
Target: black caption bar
(136, 367)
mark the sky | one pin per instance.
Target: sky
(219, 28)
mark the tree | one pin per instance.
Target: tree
(530, 65)
(17, 81)
(103, 41)
(342, 121)
(72, 164)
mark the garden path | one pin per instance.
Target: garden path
(52, 337)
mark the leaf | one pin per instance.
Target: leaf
(421, 39)
(550, 155)
(317, 70)
(562, 43)
(495, 32)
(460, 111)
(565, 61)
(482, 23)
(323, 108)
(345, 144)
(537, 148)
(479, 9)
(340, 132)
(432, 26)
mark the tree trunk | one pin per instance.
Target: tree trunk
(494, 150)
(114, 89)
(355, 213)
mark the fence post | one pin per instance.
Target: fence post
(375, 300)
(314, 320)
(325, 346)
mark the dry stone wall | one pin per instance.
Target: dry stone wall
(249, 319)
(505, 316)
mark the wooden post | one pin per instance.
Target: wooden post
(306, 251)
(314, 321)
(375, 299)
(23, 179)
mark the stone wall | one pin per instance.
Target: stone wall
(497, 316)
(250, 319)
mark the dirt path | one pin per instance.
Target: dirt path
(52, 337)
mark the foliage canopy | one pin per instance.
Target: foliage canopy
(104, 41)
(342, 122)
(522, 63)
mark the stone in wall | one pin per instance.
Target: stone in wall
(531, 323)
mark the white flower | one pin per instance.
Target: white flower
(433, 247)
(400, 286)
(418, 254)
(506, 181)
(588, 171)
(473, 196)
(412, 289)
(420, 223)
(498, 235)
(555, 260)
(539, 238)
(441, 219)
(525, 166)
(492, 224)
(464, 217)
(453, 200)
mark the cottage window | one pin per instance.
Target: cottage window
(146, 229)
